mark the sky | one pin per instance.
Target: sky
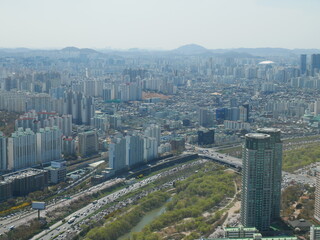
(159, 24)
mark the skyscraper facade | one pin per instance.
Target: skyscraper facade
(317, 197)
(3, 152)
(315, 63)
(276, 171)
(303, 64)
(256, 204)
(205, 117)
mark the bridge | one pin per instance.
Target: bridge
(224, 160)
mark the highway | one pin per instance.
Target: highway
(288, 178)
(61, 227)
(22, 218)
(60, 230)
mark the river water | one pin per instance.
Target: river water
(144, 221)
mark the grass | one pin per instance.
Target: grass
(298, 158)
(233, 151)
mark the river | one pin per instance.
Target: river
(144, 221)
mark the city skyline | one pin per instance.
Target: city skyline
(159, 24)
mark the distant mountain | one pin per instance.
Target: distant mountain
(194, 49)
(70, 49)
(186, 50)
(267, 51)
(81, 50)
(258, 51)
(191, 49)
(16, 50)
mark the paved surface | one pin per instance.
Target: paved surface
(288, 178)
(22, 218)
(61, 230)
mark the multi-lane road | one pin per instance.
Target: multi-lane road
(61, 229)
(22, 218)
(288, 178)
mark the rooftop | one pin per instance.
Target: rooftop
(257, 135)
(22, 174)
(269, 130)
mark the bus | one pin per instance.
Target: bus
(71, 220)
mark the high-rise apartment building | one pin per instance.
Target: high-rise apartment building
(303, 64)
(257, 182)
(150, 148)
(317, 197)
(244, 112)
(316, 109)
(81, 107)
(117, 154)
(49, 144)
(153, 131)
(68, 147)
(21, 149)
(315, 63)
(276, 173)
(88, 143)
(205, 117)
(3, 152)
(134, 150)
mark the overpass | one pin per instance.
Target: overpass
(224, 160)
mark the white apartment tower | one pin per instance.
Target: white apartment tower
(117, 154)
(49, 144)
(3, 152)
(21, 149)
(153, 131)
(134, 150)
(150, 148)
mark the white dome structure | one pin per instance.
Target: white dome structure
(266, 62)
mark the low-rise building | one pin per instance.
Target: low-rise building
(240, 232)
(314, 232)
(57, 172)
(23, 182)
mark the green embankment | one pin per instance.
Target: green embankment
(202, 192)
(122, 224)
(298, 158)
(194, 196)
(306, 150)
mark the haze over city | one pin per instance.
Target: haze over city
(155, 24)
(158, 119)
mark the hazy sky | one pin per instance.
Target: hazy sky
(159, 24)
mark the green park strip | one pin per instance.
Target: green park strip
(117, 226)
(63, 212)
(298, 152)
(201, 193)
(301, 157)
(232, 151)
(301, 139)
